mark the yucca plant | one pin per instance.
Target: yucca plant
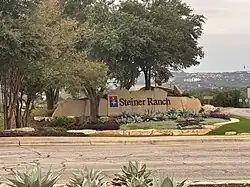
(87, 178)
(168, 182)
(33, 177)
(133, 173)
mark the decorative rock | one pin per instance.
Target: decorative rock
(48, 118)
(164, 132)
(191, 132)
(87, 131)
(39, 118)
(139, 132)
(231, 133)
(3, 185)
(210, 108)
(25, 129)
(104, 119)
(71, 117)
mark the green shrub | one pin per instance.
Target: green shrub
(101, 126)
(219, 115)
(62, 121)
(151, 116)
(33, 177)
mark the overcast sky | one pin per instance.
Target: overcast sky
(226, 37)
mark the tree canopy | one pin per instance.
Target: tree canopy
(81, 44)
(153, 37)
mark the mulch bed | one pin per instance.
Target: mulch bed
(46, 128)
(45, 131)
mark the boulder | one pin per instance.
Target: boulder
(86, 131)
(25, 129)
(104, 119)
(39, 118)
(210, 108)
(230, 133)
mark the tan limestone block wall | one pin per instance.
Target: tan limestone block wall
(103, 107)
(71, 107)
(78, 108)
(193, 104)
(82, 107)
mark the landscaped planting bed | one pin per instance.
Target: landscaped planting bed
(134, 174)
(176, 120)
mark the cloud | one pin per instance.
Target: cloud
(226, 38)
(224, 16)
(224, 52)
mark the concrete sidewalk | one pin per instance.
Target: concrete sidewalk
(53, 141)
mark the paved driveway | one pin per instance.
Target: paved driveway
(195, 160)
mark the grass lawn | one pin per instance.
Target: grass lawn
(164, 124)
(212, 121)
(150, 125)
(241, 127)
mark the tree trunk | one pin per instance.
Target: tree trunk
(147, 75)
(18, 114)
(27, 112)
(52, 97)
(10, 87)
(94, 101)
(126, 84)
(94, 109)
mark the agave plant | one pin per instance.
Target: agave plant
(168, 182)
(33, 177)
(87, 178)
(137, 182)
(134, 173)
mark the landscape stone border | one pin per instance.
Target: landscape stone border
(159, 132)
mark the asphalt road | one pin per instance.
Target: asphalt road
(195, 160)
(243, 112)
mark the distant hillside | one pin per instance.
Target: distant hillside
(192, 81)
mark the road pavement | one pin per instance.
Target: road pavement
(195, 160)
(243, 112)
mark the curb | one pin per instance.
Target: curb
(81, 141)
(221, 183)
(232, 120)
